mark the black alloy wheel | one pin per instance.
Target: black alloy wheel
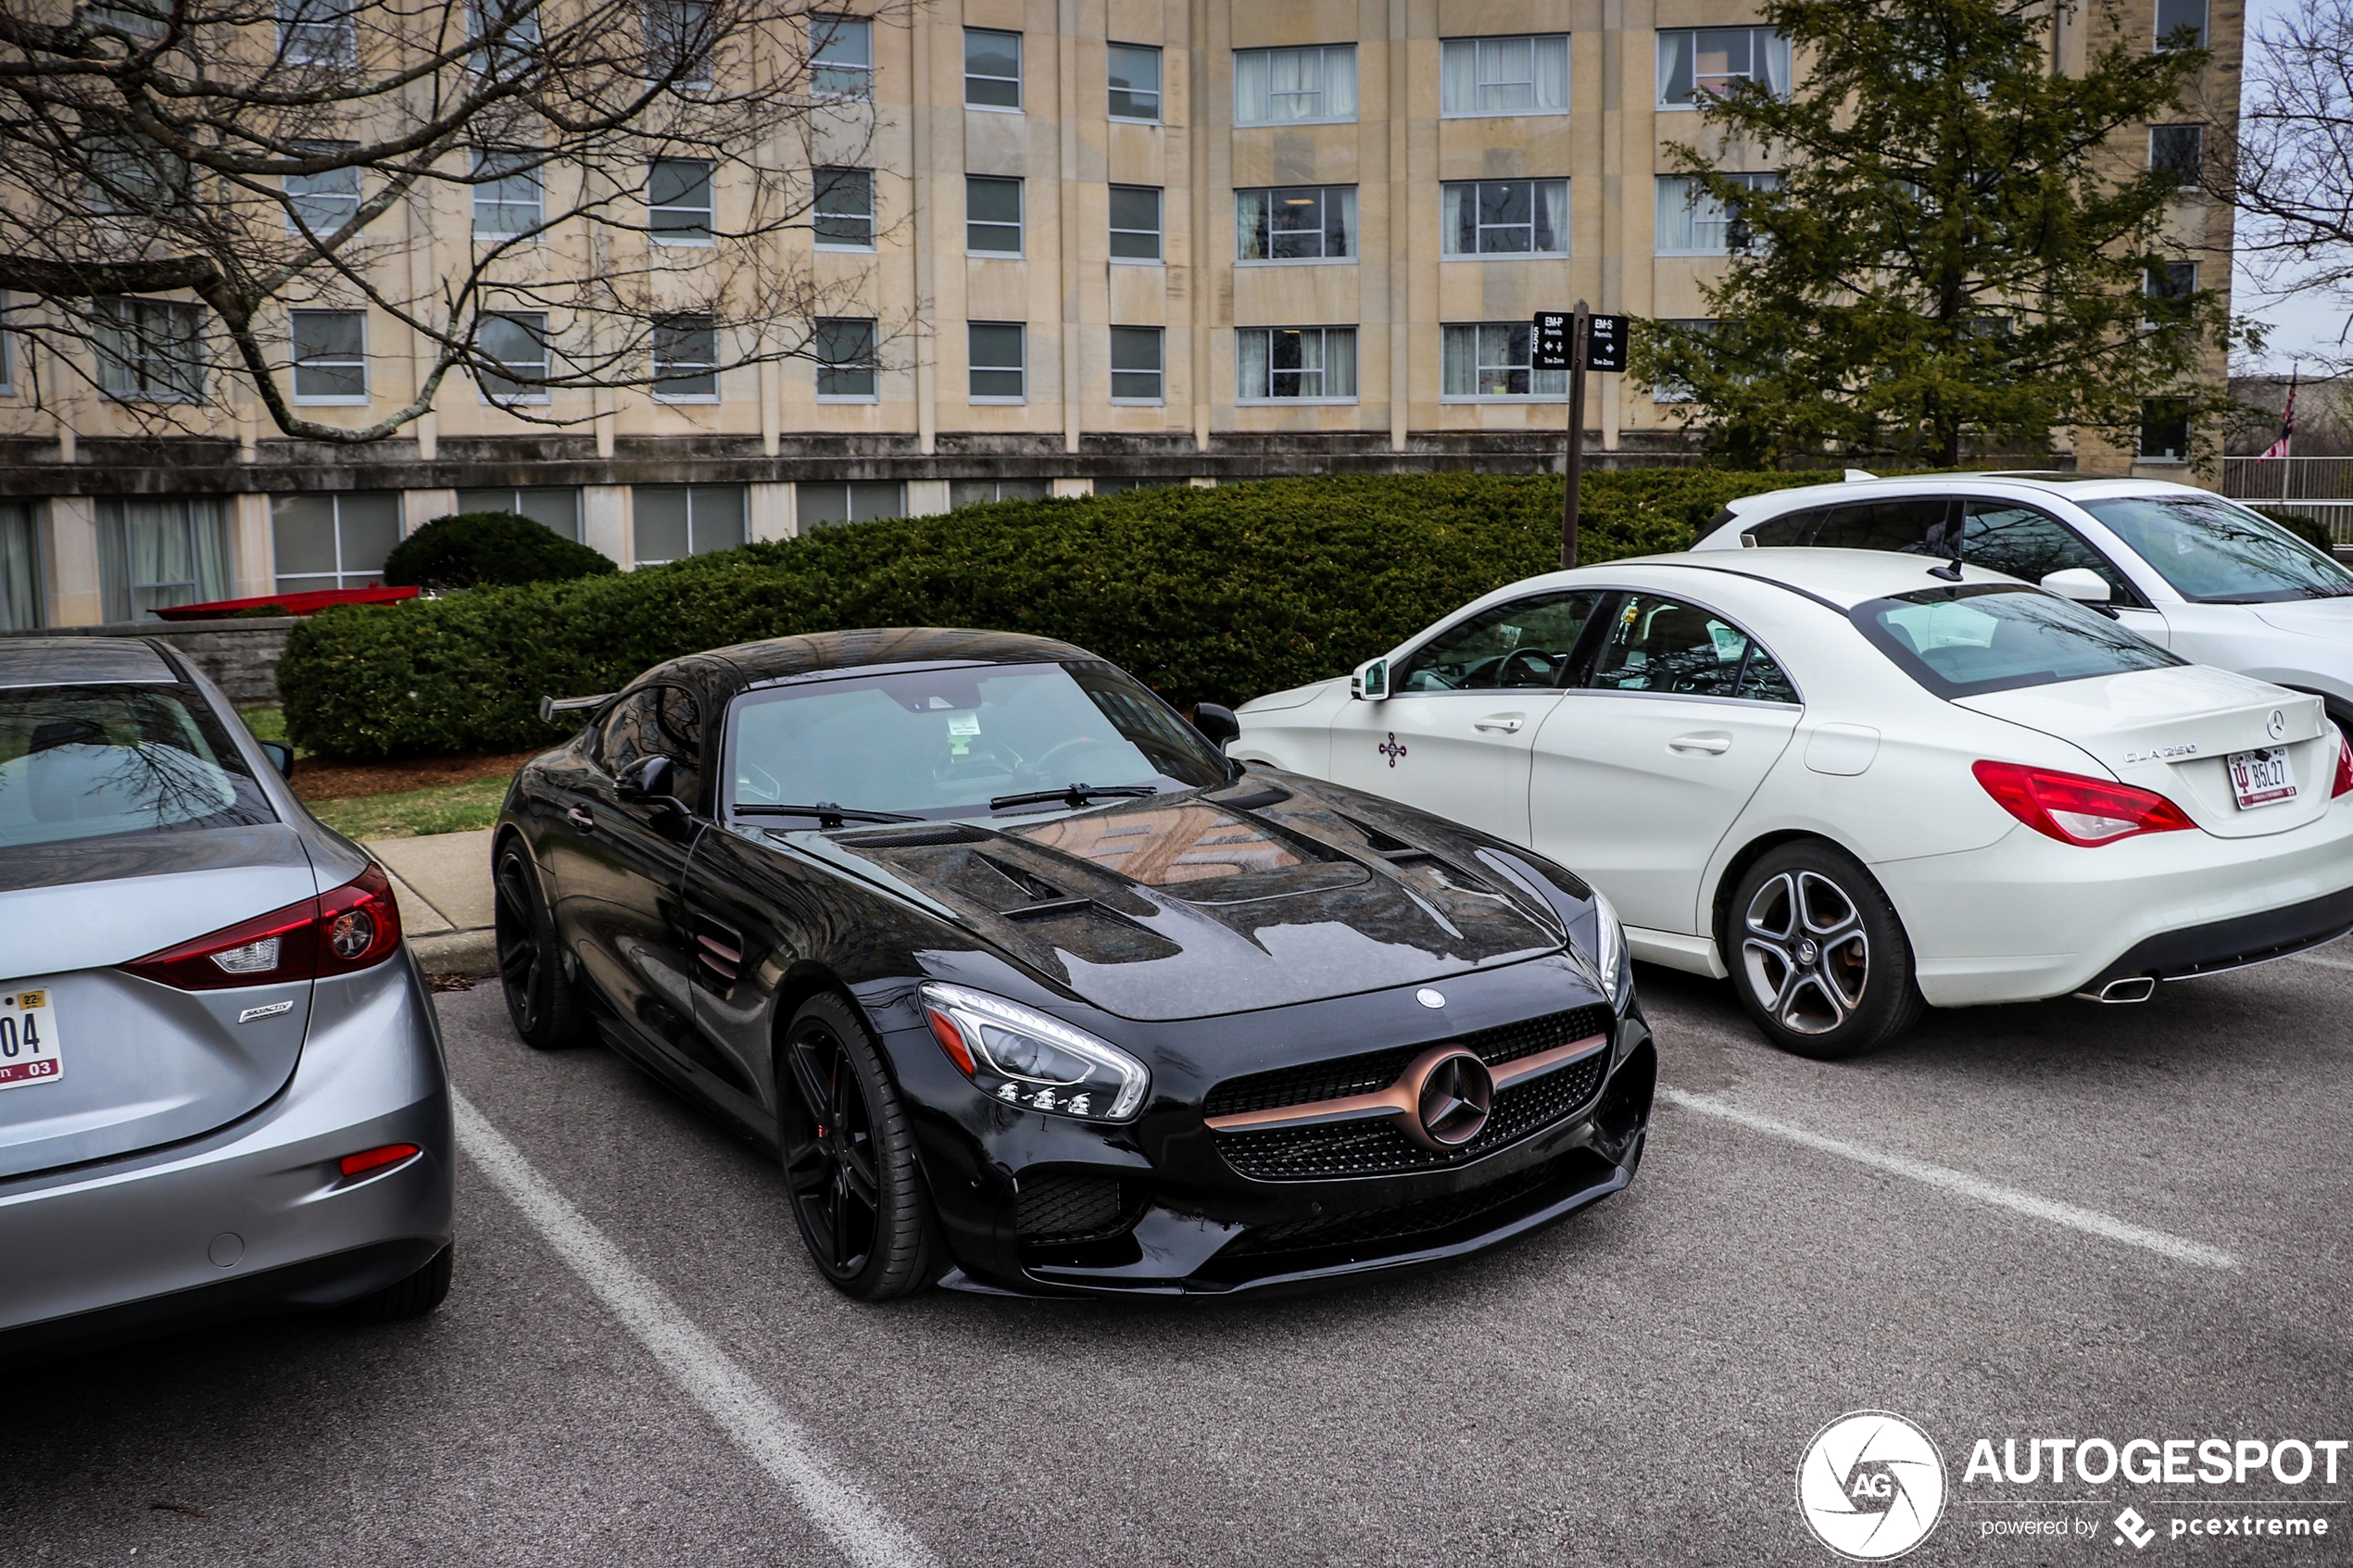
(1818, 954)
(540, 1000)
(849, 1158)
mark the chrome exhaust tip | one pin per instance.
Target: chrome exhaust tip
(2131, 989)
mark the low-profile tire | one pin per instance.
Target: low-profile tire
(405, 1298)
(542, 1003)
(850, 1172)
(1819, 959)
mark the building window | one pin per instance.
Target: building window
(1692, 61)
(993, 215)
(129, 175)
(1487, 76)
(993, 69)
(2179, 150)
(829, 504)
(673, 521)
(963, 492)
(1505, 218)
(678, 201)
(325, 201)
(2173, 16)
(334, 541)
(330, 356)
(1136, 364)
(1283, 364)
(21, 608)
(517, 340)
(1135, 82)
(1135, 223)
(1691, 222)
(845, 350)
(995, 357)
(678, 43)
(1295, 223)
(555, 509)
(1295, 86)
(2165, 430)
(1120, 486)
(1680, 392)
(507, 199)
(841, 56)
(154, 552)
(845, 209)
(513, 26)
(1489, 359)
(151, 350)
(685, 359)
(317, 32)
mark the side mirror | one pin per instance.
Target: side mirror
(2078, 583)
(647, 781)
(281, 757)
(1217, 722)
(1370, 683)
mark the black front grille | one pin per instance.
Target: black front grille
(1380, 1148)
(1066, 1209)
(1373, 1071)
(1427, 1222)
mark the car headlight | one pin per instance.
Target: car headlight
(1609, 939)
(1022, 1056)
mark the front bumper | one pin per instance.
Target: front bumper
(254, 1216)
(1039, 1205)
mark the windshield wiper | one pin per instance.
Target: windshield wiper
(829, 815)
(1075, 795)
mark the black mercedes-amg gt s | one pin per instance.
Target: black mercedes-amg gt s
(1035, 991)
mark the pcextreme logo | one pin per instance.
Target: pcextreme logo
(1871, 1485)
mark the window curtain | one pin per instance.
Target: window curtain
(1772, 63)
(1340, 362)
(1680, 216)
(1250, 87)
(1552, 74)
(1552, 216)
(1458, 222)
(1339, 221)
(156, 552)
(1459, 362)
(19, 570)
(1251, 346)
(1457, 75)
(1339, 81)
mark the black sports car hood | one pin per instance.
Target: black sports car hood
(1251, 896)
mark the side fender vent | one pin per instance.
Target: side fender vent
(719, 954)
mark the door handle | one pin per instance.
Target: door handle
(1714, 743)
(578, 816)
(1507, 722)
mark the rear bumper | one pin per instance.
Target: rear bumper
(253, 1216)
(2235, 943)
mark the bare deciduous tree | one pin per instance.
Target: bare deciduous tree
(580, 194)
(2291, 173)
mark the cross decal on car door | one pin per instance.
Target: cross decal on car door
(1392, 749)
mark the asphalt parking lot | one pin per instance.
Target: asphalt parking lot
(2029, 1222)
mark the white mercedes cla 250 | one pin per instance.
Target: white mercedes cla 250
(1858, 782)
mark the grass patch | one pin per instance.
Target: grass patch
(457, 808)
(267, 721)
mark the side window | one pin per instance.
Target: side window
(1665, 646)
(630, 731)
(681, 726)
(1900, 524)
(1525, 643)
(1790, 528)
(2031, 544)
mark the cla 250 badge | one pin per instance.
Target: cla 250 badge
(2160, 753)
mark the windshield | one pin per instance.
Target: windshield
(2215, 552)
(89, 761)
(1986, 637)
(942, 742)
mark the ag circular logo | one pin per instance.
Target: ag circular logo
(1871, 1485)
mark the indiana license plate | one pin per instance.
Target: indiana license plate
(2262, 777)
(28, 1039)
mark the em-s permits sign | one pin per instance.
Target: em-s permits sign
(1604, 343)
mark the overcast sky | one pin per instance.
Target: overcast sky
(2302, 320)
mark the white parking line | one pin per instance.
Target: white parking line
(867, 1535)
(1962, 1184)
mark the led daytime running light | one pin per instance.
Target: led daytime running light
(1113, 1085)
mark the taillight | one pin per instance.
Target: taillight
(2344, 784)
(350, 928)
(376, 1158)
(2075, 809)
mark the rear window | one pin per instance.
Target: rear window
(95, 761)
(1987, 637)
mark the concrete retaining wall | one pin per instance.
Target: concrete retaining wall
(240, 656)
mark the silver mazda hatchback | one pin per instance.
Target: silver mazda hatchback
(221, 1087)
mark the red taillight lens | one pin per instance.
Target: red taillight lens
(2075, 809)
(2344, 784)
(374, 1158)
(350, 928)
(952, 1039)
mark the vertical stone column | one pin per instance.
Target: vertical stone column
(253, 548)
(1401, 229)
(70, 548)
(605, 523)
(419, 507)
(770, 510)
(1069, 206)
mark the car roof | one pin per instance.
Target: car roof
(1842, 578)
(82, 661)
(2057, 486)
(779, 658)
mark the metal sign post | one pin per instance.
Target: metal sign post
(1575, 341)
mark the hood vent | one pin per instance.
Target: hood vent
(1255, 800)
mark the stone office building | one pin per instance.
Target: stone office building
(1103, 242)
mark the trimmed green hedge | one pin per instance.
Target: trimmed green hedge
(488, 549)
(1219, 594)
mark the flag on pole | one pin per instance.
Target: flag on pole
(2288, 424)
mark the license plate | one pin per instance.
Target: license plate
(2262, 777)
(28, 1040)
